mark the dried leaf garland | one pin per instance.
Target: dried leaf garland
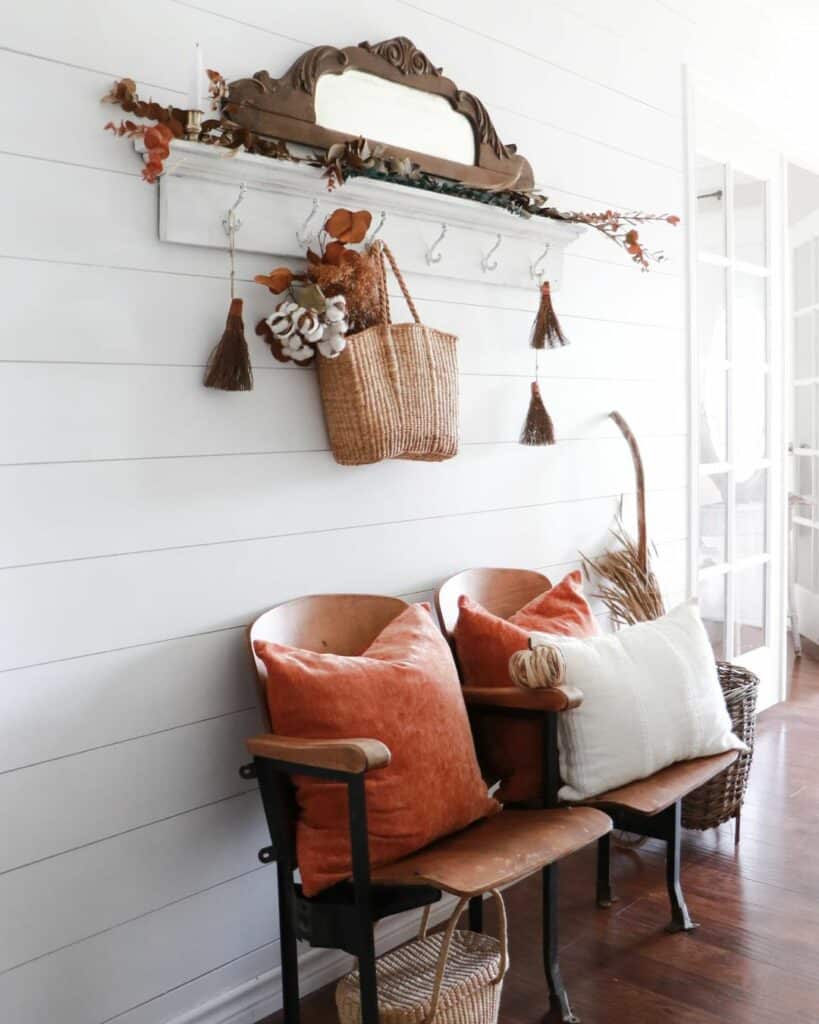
(360, 157)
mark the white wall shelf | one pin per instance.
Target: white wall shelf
(201, 182)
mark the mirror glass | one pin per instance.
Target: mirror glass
(361, 104)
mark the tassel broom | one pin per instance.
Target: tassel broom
(538, 428)
(229, 363)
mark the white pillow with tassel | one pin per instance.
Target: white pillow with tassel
(651, 697)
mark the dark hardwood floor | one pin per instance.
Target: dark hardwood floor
(755, 958)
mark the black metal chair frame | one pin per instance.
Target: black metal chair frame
(343, 917)
(665, 825)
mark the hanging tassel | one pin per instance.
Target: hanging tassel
(538, 428)
(229, 363)
(546, 330)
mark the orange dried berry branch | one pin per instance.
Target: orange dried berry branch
(621, 229)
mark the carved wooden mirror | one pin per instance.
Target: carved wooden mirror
(389, 93)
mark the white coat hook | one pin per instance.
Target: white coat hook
(373, 234)
(302, 237)
(487, 263)
(230, 222)
(536, 269)
(432, 254)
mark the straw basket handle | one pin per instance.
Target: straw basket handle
(450, 931)
(384, 253)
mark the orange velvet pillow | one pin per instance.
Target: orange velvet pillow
(404, 691)
(513, 748)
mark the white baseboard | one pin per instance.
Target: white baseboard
(260, 996)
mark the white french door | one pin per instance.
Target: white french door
(804, 243)
(738, 455)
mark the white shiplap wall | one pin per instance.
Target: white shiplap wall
(145, 519)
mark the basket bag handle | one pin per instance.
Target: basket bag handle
(384, 254)
(447, 942)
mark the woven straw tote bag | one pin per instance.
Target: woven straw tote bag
(393, 391)
(454, 977)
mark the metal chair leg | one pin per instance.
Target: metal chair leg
(363, 907)
(287, 945)
(605, 896)
(551, 965)
(680, 918)
(737, 826)
(476, 914)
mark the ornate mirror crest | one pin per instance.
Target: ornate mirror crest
(285, 108)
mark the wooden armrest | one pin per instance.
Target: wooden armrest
(354, 756)
(555, 698)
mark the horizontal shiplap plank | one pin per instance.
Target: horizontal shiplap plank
(111, 508)
(65, 899)
(57, 806)
(493, 338)
(115, 412)
(145, 958)
(116, 602)
(50, 711)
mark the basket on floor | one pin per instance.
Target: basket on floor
(453, 977)
(720, 799)
(393, 391)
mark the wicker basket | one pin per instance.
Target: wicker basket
(720, 799)
(454, 977)
(393, 391)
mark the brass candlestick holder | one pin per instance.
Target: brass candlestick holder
(193, 125)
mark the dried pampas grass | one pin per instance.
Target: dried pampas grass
(628, 587)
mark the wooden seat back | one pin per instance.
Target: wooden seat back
(500, 591)
(326, 623)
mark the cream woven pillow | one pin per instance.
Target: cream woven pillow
(651, 697)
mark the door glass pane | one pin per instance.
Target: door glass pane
(803, 416)
(803, 276)
(803, 347)
(750, 326)
(750, 419)
(712, 609)
(750, 600)
(803, 478)
(749, 219)
(803, 541)
(711, 327)
(713, 494)
(710, 185)
(814, 320)
(751, 514)
(713, 415)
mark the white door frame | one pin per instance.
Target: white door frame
(732, 144)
